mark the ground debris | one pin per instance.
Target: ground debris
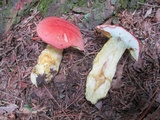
(8, 109)
(134, 96)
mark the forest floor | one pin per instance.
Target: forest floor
(135, 91)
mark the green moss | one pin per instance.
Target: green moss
(2, 3)
(5, 14)
(134, 3)
(63, 8)
(124, 3)
(81, 3)
(128, 4)
(44, 5)
(68, 5)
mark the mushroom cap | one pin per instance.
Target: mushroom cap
(60, 33)
(124, 35)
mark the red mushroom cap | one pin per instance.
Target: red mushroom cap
(60, 33)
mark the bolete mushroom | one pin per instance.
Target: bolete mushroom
(59, 34)
(104, 65)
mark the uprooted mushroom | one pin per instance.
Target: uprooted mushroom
(104, 65)
(59, 34)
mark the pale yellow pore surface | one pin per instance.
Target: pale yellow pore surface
(104, 67)
(48, 62)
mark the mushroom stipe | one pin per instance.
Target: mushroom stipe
(104, 65)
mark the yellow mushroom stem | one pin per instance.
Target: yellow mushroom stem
(47, 65)
(104, 67)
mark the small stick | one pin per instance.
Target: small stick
(151, 103)
(11, 95)
(56, 102)
(148, 5)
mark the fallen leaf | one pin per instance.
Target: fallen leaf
(148, 13)
(3, 118)
(99, 105)
(147, 27)
(158, 98)
(21, 4)
(117, 83)
(153, 116)
(158, 15)
(26, 109)
(23, 84)
(8, 109)
(158, 1)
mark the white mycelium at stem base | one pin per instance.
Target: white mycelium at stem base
(104, 67)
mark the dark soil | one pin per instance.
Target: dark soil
(135, 92)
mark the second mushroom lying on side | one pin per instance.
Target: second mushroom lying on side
(104, 66)
(59, 34)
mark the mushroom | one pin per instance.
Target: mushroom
(104, 65)
(59, 34)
